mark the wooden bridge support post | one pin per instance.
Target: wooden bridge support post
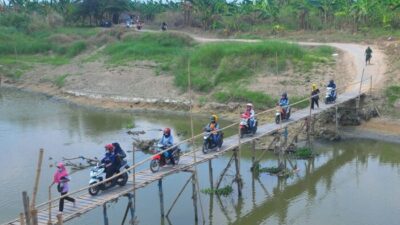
(253, 151)
(105, 216)
(210, 172)
(21, 219)
(38, 172)
(370, 85)
(336, 121)
(237, 167)
(194, 197)
(25, 200)
(34, 217)
(133, 204)
(131, 208)
(161, 194)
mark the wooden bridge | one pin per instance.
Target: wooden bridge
(47, 213)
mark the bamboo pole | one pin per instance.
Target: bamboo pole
(34, 217)
(38, 171)
(25, 200)
(370, 85)
(49, 222)
(192, 132)
(224, 171)
(126, 213)
(336, 120)
(210, 173)
(21, 219)
(237, 165)
(179, 195)
(194, 197)
(133, 204)
(60, 219)
(161, 195)
(105, 216)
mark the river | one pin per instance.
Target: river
(350, 182)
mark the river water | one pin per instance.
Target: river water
(350, 182)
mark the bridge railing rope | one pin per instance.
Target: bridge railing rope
(133, 167)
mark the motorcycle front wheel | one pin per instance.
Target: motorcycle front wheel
(277, 119)
(205, 147)
(93, 191)
(154, 165)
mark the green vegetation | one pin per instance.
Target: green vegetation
(392, 93)
(225, 191)
(159, 47)
(60, 80)
(304, 153)
(242, 95)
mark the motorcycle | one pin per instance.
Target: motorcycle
(159, 160)
(209, 144)
(245, 125)
(281, 114)
(98, 174)
(330, 96)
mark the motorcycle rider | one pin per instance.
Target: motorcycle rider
(332, 84)
(251, 114)
(109, 160)
(164, 26)
(119, 155)
(284, 103)
(213, 126)
(167, 141)
(368, 55)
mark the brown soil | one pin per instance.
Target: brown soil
(137, 86)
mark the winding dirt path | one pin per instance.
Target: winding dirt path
(355, 52)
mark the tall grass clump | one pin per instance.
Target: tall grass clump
(392, 93)
(216, 63)
(75, 48)
(159, 47)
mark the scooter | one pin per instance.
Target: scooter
(244, 125)
(281, 115)
(209, 144)
(98, 174)
(330, 96)
(159, 160)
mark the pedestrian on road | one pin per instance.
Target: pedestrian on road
(314, 96)
(61, 178)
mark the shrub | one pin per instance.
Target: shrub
(392, 94)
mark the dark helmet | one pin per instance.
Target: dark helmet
(331, 82)
(284, 95)
(167, 131)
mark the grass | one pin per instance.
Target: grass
(159, 47)
(60, 80)
(392, 94)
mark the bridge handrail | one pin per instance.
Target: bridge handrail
(179, 143)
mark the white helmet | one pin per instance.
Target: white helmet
(249, 104)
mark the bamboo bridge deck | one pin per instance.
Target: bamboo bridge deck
(86, 202)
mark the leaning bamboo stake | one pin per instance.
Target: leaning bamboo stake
(192, 139)
(38, 171)
(179, 195)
